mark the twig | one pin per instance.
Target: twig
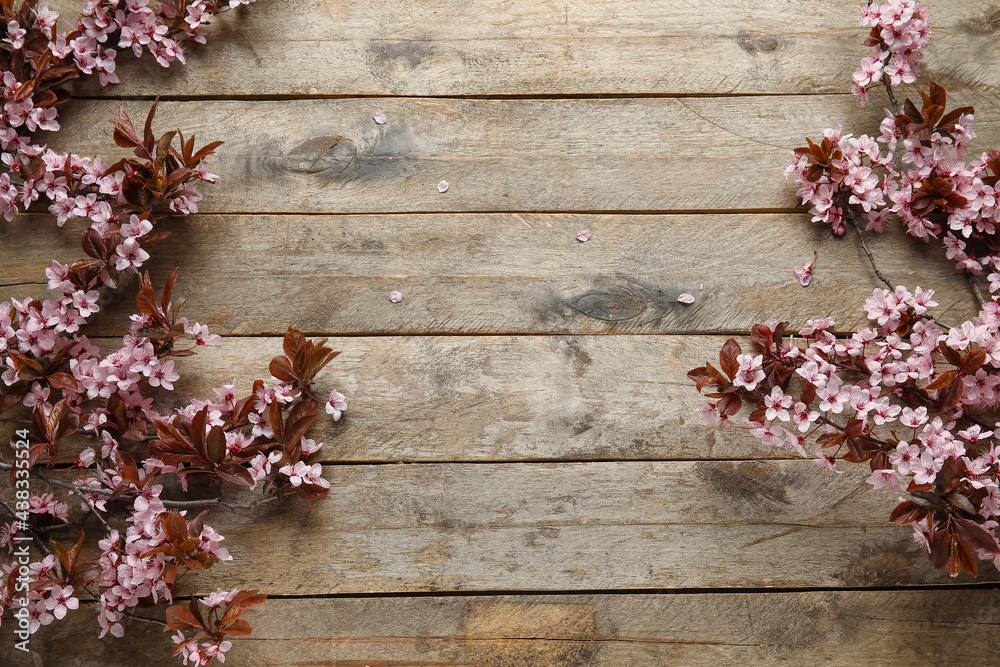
(871, 259)
(976, 291)
(31, 531)
(215, 502)
(95, 512)
(888, 91)
(10, 510)
(176, 504)
(128, 614)
(12, 420)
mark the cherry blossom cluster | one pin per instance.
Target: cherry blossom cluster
(109, 399)
(260, 437)
(916, 170)
(135, 460)
(144, 563)
(38, 57)
(904, 395)
(215, 617)
(48, 600)
(847, 180)
(899, 35)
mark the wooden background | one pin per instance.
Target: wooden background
(520, 478)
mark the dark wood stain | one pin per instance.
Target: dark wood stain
(749, 482)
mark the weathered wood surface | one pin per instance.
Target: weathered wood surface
(497, 399)
(573, 526)
(314, 550)
(536, 463)
(364, 47)
(503, 273)
(891, 628)
(639, 154)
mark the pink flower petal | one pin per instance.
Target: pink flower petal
(443, 186)
(685, 298)
(395, 297)
(379, 117)
(583, 236)
(804, 273)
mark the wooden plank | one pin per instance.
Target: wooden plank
(573, 526)
(647, 154)
(363, 47)
(890, 628)
(497, 398)
(304, 549)
(503, 273)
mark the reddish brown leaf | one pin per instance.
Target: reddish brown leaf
(238, 628)
(727, 358)
(243, 601)
(180, 617)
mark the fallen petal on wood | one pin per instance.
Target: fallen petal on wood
(395, 297)
(583, 236)
(379, 117)
(804, 273)
(443, 186)
(685, 298)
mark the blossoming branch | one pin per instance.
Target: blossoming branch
(907, 395)
(72, 392)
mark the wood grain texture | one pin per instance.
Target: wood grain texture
(520, 47)
(497, 398)
(310, 550)
(646, 154)
(518, 462)
(573, 526)
(503, 273)
(891, 628)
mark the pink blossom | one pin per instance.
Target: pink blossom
(904, 456)
(827, 463)
(804, 273)
(60, 600)
(130, 255)
(336, 404)
(163, 375)
(749, 374)
(887, 478)
(777, 405)
(302, 472)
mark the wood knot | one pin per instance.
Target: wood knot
(613, 304)
(751, 482)
(754, 44)
(319, 155)
(633, 302)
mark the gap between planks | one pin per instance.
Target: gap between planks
(319, 96)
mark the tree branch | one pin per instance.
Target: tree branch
(871, 259)
(175, 504)
(976, 291)
(129, 614)
(31, 531)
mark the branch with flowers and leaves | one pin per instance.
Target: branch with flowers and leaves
(133, 466)
(911, 397)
